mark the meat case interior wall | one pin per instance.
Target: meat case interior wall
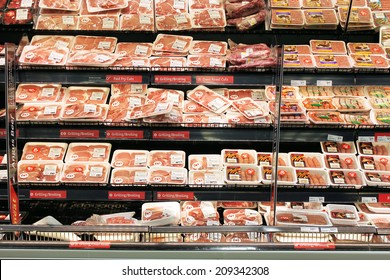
(309, 174)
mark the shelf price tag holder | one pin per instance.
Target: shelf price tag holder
(12, 149)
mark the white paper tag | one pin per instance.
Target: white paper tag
(50, 110)
(145, 19)
(335, 138)
(383, 139)
(177, 176)
(26, 3)
(96, 171)
(179, 45)
(176, 159)
(21, 14)
(2, 60)
(102, 58)
(99, 152)
(136, 88)
(208, 210)
(140, 160)
(54, 152)
(175, 63)
(216, 104)
(368, 199)
(254, 113)
(324, 83)
(145, 4)
(213, 161)
(47, 92)
(135, 101)
(161, 107)
(68, 20)
(140, 177)
(330, 230)
(339, 180)
(215, 119)
(3, 175)
(215, 62)
(61, 44)
(181, 19)
(210, 179)
(108, 23)
(366, 139)
(298, 83)
(179, 4)
(334, 165)
(138, 63)
(90, 108)
(379, 15)
(141, 50)
(50, 170)
(104, 45)
(369, 166)
(303, 181)
(310, 229)
(214, 2)
(97, 96)
(55, 56)
(213, 48)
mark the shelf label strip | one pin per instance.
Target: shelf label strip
(178, 79)
(314, 246)
(124, 134)
(89, 245)
(136, 79)
(217, 79)
(43, 194)
(123, 195)
(79, 133)
(175, 196)
(171, 135)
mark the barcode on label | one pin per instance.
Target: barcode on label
(368, 199)
(298, 83)
(366, 138)
(317, 199)
(335, 138)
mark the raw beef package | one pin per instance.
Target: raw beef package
(40, 93)
(88, 152)
(130, 158)
(241, 217)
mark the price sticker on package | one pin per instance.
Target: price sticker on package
(324, 83)
(50, 170)
(68, 20)
(141, 50)
(335, 138)
(50, 110)
(47, 92)
(330, 230)
(298, 83)
(104, 45)
(21, 14)
(96, 172)
(26, 3)
(108, 23)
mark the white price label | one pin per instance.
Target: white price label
(317, 199)
(108, 23)
(179, 45)
(214, 14)
(173, 97)
(90, 108)
(140, 160)
(141, 50)
(50, 110)
(216, 104)
(99, 152)
(56, 57)
(383, 139)
(213, 48)
(213, 161)
(47, 92)
(177, 176)
(145, 19)
(208, 212)
(138, 63)
(176, 159)
(161, 107)
(175, 63)
(61, 44)
(55, 152)
(135, 101)
(330, 230)
(3, 174)
(104, 45)
(214, 2)
(96, 171)
(21, 14)
(216, 119)
(102, 58)
(366, 139)
(210, 179)
(298, 83)
(50, 170)
(97, 96)
(145, 4)
(215, 62)
(369, 199)
(335, 138)
(140, 177)
(310, 229)
(379, 15)
(179, 4)
(181, 19)
(324, 83)
(26, 3)
(68, 20)
(2, 60)
(136, 88)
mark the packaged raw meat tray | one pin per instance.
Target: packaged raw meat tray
(204, 120)
(88, 152)
(29, 93)
(150, 110)
(249, 108)
(266, 159)
(238, 156)
(366, 61)
(90, 95)
(356, 3)
(73, 5)
(287, 107)
(206, 61)
(173, 22)
(134, 49)
(296, 49)
(306, 160)
(52, 41)
(254, 94)
(242, 175)
(237, 204)
(199, 213)
(100, 43)
(119, 89)
(338, 147)
(84, 112)
(130, 62)
(341, 161)
(209, 99)
(137, 22)
(104, 5)
(164, 175)
(286, 175)
(328, 47)
(139, 7)
(373, 148)
(129, 176)
(381, 18)
(348, 104)
(205, 4)
(170, 7)
(205, 177)
(44, 151)
(358, 15)
(365, 48)
(161, 213)
(298, 61)
(37, 112)
(379, 207)
(208, 47)
(166, 63)
(57, 22)
(167, 158)
(348, 91)
(109, 22)
(346, 178)
(320, 19)
(33, 55)
(156, 95)
(39, 171)
(290, 4)
(92, 58)
(377, 91)
(242, 217)
(381, 117)
(204, 162)
(85, 172)
(174, 116)
(318, 4)
(384, 36)
(288, 92)
(374, 163)
(130, 158)
(287, 19)
(316, 91)
(325, 117)
(327, 62)
(300, 217)
(345, 215)
(318, 104)
(358, 118)
(172, 43)
(312, 177)
(208, 18)
(380, 220)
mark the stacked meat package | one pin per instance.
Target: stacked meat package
(15, 12)
(245, 14)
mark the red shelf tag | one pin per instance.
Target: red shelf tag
(3, 133)
(314, 246)
(124, 134)
(89, 245)
(122, 195)
(384, 197)
(214, 79)
(162, 79)
(79, 133)
(43, 194)
(124, 79)
(175, 195)
(171, 135)
(382, 137)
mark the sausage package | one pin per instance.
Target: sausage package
(238, 156)
(373, 148)
(344, 178)
(242, 174)
(338, 147)
(344, 215)
(306, 160)
(341, 161)
(286, 175)
(377, 163)
(312, 177)
(377, 178)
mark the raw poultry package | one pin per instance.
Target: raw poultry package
(38, 171)
(44, 151)
(88, 152)
(85, 172)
